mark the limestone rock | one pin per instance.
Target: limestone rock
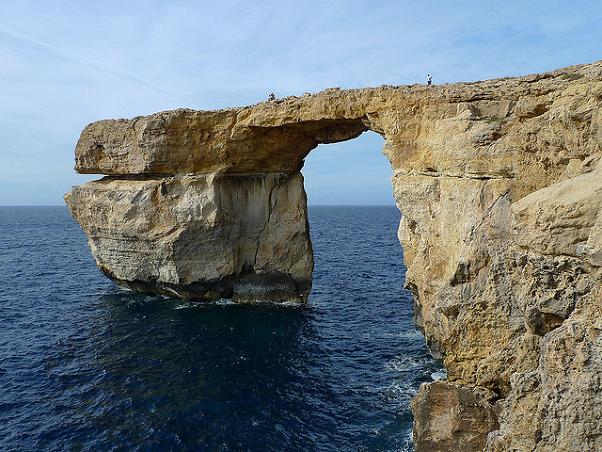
(200, 237)
(450, 418)
(499, 183)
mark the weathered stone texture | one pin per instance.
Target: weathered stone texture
(449, 418)
(201, 237)
(500, 187)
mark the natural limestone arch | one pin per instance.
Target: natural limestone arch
(501, 192)
(243, 233)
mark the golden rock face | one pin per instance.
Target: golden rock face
(200, 237)
(500, 188)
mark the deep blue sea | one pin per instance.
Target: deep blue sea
(85, 365)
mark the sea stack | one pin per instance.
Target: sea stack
(500, 187)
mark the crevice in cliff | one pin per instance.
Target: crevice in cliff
(271, 207)
(166, 177)
(452, 175)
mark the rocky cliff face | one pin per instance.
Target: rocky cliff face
(201, 236)
(500, 188)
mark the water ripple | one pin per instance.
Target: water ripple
(86, 365)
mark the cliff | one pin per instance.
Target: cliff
(500, 188)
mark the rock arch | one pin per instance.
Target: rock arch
(208, 205)
(501, 192)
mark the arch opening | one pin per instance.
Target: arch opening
(350, 172)
(358, 301)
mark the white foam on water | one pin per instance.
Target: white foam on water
(401, 393)
(441, 374)
(411, 334)
(290, 303)
(408, 444)
(405, 363)
(224, 302)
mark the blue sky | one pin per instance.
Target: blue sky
(64, 64)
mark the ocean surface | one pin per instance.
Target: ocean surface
(85, 365)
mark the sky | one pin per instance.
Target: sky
(64, 64)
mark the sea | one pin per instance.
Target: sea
(86, 365)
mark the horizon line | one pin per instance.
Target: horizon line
(309, 205)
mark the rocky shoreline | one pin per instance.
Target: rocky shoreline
(500, 188)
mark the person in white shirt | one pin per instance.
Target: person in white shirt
(429, 80)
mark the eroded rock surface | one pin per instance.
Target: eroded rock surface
(201, 237)
(500, 187)
(449, 418)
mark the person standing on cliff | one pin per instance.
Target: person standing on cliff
(429, 80)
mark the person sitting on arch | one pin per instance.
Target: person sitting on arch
(271, 97)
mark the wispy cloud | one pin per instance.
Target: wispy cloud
(66, 63)
(78, 60)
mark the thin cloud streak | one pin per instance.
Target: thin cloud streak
(76, 59)
(67, 63)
